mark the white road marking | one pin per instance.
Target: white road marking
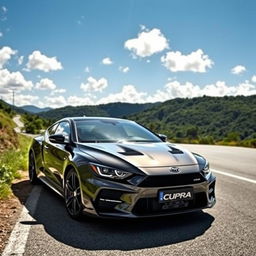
(234, 176)
(18, 238)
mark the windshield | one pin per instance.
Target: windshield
(112, 131)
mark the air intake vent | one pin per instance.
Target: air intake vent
(172, 180)
(175, 150)
(129, 152)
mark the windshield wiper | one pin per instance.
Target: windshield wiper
(142, 141)
(98, 141)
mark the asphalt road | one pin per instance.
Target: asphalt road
(227, 229)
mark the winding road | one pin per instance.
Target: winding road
(20, 125)
(227, 229)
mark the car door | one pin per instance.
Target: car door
(45, 152)
(56, 155)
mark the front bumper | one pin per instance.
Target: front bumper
(106, 198)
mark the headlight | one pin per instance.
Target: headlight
(109, 172)
(203, 165)
(206, 170)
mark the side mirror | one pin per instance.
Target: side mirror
(58, 138)
(162, 137)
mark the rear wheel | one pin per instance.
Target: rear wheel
(72, 195)
(32, 169)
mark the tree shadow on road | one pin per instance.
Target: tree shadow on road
(108, 234)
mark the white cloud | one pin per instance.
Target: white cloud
(1, 34)
(238, 69)
(87, 70)
(4, 9)
(38, 61)
(80, 101)
(80, 21)
(20, 99)
(124, 69)
(195, 61)
(107, 61)
(129, 93)
(5, 54)
(14, 81)
(142, 27)
(4, 91)
(3, 12)
(94, 85)
(253, 79)
(147, 43)
(60, 101)
(55, 102)
(20, 60)
(45, 84)
(171, 90)
(175, 89)
(58, 91)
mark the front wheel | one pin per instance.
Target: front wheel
(32, 169)
(72, 195)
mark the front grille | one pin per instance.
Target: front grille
(172, 180)
(148, 206)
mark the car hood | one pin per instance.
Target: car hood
(145, 155)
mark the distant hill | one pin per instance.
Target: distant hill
(34, 109)
(111, 109)
(8, 107)
(203, 119)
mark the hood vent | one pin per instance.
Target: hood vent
(129, 151)
(175, 150)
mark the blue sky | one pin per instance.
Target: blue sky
(52, 51)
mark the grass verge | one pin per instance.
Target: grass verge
(12, 162)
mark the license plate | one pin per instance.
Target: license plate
(175, 195)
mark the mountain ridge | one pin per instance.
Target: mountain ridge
(117, 109)
(34, 109)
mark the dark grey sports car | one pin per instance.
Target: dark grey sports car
(116, 168)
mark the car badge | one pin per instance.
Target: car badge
(175, 169)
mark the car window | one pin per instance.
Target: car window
(63, 128)
(52, 129)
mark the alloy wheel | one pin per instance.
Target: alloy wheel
(73, 194)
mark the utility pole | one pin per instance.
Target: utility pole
(13, 98)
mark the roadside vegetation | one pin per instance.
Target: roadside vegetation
(206, 120)
(12, 163)
(34, 124)
(13, 152)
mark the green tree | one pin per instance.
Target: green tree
(192, 132)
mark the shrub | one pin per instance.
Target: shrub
(11, 162)
(206, 140)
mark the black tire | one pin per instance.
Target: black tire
(32, 169)
(72, 195)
